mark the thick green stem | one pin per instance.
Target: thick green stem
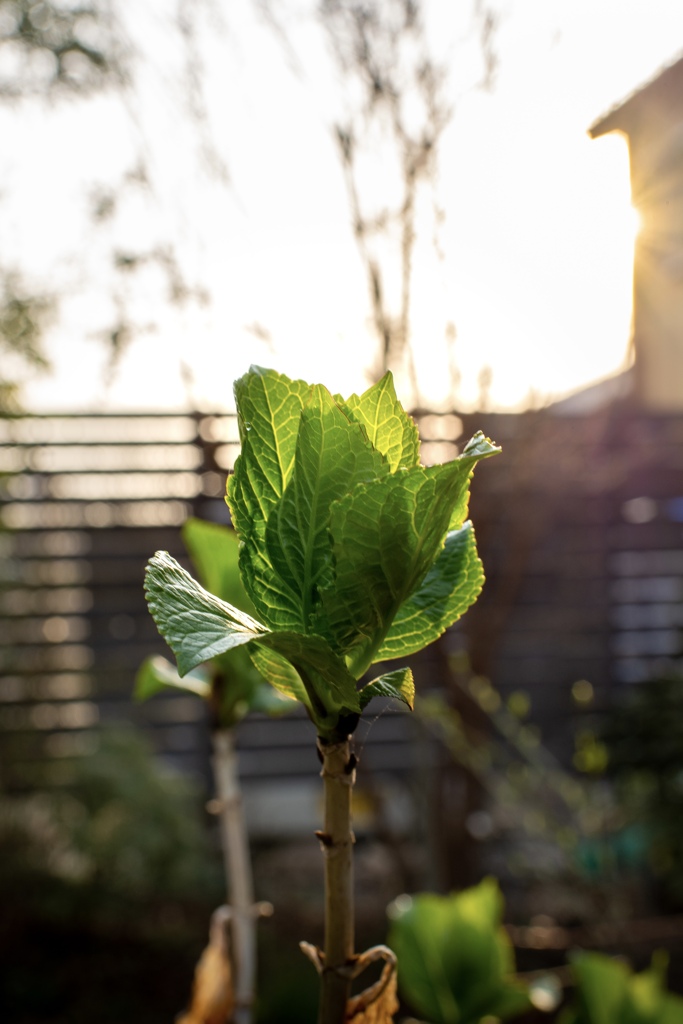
(336, 841)
(235, 845)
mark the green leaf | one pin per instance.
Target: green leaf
(279, 673)
(332, 456)
(324, 674)
(269, 405)
(416, 936)
(214, 550)
(198, 626)
(452, 584)
(479, 957)
(386, 536)
(243, 690)
(157, 673)
(607, 990)
(269, 408)
(195, 624)
(398, 684)
(389, 428)
(456, 959)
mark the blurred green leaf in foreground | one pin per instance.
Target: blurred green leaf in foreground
(456, 962)
(608, 992)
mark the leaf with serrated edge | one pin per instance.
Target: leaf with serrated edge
(398, 684)
(157, 673)
(332, 456)
(478, 447)
(198, 626)
(268, 407)
(447, 591)
(389, 428)
(386, 535)
(195, 624)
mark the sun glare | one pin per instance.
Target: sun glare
(635, 221)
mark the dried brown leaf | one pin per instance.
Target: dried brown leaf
(378, 1003)
(213, 999)
(381, 1010)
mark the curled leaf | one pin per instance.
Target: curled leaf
(378, 1003)
(398, 684)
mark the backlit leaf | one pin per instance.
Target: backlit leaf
(279, 673)
(447, 591)
(269, 407)
(195, 624)
(317, 663)
(388, 426)
(198, 626)
(350, 551)
(386, 535)
(398, 684)
(332, 456)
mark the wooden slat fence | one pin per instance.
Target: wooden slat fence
(579, 524)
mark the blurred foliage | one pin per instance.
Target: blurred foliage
(122, 847)
(105, 887)
(24, 317)
(643, 738)
(456, 960)
(608, 992)
(56, 50)
(570, 845)
(528, 794)
(68, 47)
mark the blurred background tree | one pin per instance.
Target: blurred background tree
(131, 255)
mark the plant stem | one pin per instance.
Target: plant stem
(336, 841)
(235, 843)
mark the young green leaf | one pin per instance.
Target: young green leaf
(452, 584)
(195, 624)
(398, 684)
(386, 536)
(279, 673)
(388, 426)
(349, 549)
(198, 626)
(269, 408)
(323, 673)
(332, 457)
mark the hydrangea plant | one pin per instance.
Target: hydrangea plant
(352, 553)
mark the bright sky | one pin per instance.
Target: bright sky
(537, 240)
